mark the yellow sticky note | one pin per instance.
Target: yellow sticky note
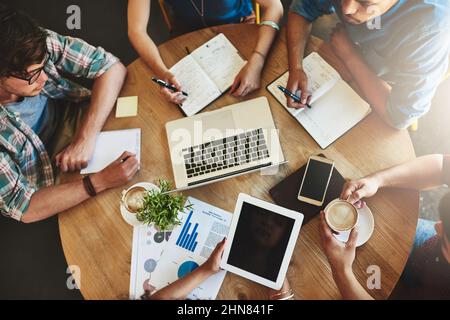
(127, 107)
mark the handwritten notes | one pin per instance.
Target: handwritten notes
(207, 73)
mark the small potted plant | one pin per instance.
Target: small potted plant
(160, 208)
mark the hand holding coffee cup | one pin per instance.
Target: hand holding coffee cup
(354, 191)
(339, 254)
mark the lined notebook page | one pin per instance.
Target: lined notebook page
(220, 60)
(196, 83)
(336, 112)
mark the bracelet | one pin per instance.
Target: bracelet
(260, 53)
(89, 187)
(281, 293)
(288, 297)
(270, 23)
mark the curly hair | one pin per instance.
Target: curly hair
(22, 42)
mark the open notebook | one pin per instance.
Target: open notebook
(207, 72)
(336, 107)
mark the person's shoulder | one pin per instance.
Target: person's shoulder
(434, 14)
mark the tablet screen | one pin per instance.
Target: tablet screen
(260, 241)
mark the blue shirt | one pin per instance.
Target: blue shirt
(216, 12)
(32, 110)
(410, 51)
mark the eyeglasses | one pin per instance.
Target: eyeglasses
(35, 74)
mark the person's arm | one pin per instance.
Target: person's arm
(298, 31)
(249, 78)
(105, 91)
(182, 287)
(375, 89)
(50, 201)
(341, 257)
(422, 173)
(301, 15)
(80, 59)
(138, 19)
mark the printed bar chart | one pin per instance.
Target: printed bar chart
(186, 239)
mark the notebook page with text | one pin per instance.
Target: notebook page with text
(195, 82)
(321, 78)
(333, 114)
(220, 60)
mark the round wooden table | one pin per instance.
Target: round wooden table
(98, 240)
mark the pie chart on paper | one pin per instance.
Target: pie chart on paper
(186, 268)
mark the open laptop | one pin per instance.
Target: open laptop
(224, 143)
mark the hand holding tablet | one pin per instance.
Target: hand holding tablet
(261, 241)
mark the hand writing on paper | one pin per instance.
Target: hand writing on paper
(169, 95)
(117, 173)
(298, 82)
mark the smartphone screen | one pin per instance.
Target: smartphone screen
(316, 180)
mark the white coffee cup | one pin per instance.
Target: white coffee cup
(132, 200)
(341, 215)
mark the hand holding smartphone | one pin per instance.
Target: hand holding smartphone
(315, 180)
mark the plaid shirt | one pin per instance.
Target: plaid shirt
(24, 163)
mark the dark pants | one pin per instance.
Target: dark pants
(64, 120)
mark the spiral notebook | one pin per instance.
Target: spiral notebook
(207, 72)
(336, 107)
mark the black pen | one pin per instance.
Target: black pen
(166, 85)
(290, 94)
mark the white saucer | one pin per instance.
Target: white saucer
(366, 225)
(131, 218)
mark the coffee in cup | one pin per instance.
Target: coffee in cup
(133, 199)
(341, 215)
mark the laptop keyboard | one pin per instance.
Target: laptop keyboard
(225, 153)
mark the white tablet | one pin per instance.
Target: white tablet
(261, 241)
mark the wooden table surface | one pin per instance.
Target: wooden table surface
(98, 240)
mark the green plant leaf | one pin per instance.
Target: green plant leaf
(162, 209)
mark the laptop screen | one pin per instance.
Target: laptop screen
(260, 241)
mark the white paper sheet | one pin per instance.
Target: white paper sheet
(148, 245)
(110, 145)
(190, 245)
